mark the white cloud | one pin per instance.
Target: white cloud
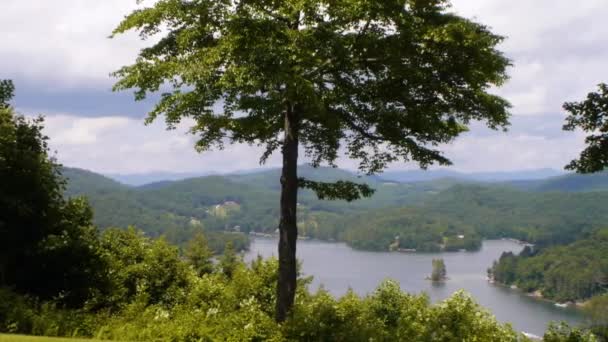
(510, 152)
(124, 145)
(559, 50)
(70, 130)
(64, 42)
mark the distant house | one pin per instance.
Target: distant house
(461, 236)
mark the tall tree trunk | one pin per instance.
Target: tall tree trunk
(288, 230)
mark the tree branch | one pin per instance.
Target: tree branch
(340, 190)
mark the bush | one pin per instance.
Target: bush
(24, 315)
(156, 296)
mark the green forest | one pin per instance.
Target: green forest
(427, 216)
(572, 272)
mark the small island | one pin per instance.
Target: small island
(439, 273)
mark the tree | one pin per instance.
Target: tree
(41, 232)
(591, 116)
(141, 268)
(439, 271)
(199, 255)
(376, 81)
(563, 333)
(597, 313)
(7, 91)
(229, 260)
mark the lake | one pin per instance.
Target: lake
(339, 267)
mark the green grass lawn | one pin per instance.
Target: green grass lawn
(22, 338)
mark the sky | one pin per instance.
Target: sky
(59, 55)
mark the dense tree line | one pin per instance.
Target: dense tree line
(410, 229)
(540, 218)
(574, 272)
(47, 243)
(431, 216)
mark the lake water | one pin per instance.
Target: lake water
(339, 267)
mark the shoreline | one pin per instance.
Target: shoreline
(538, 295)
(274, 236)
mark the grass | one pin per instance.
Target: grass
(22, 338)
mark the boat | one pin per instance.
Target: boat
(531, 336)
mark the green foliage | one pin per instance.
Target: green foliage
(199, 255)
(407, 228)
(215, 308)
(241, 307)
(443, 211)
(384, 82)
(539, 218)
(22, 314)
(41, 232)
(228, 261)
(23, 338)
(574, 272)
(142, 269)
(177, 210)
(597, 311)
(459, 318)
(391, 315)
(7, 91)
(439, 272)
(591, 116)
(347, 191)
(564, 333)
(575, 182)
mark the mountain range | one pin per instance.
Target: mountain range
(403, 176)
(425, 214)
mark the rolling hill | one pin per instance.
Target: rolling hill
(427, 215)
(566, 183)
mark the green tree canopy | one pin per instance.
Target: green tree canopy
(377, 81)
(229, 260)
(439, 271)
(7, 90)
(590, 115)
(597, 313)
(47, 243)
(199, 254)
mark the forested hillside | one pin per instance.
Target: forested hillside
(426, 216)
(574, 272)
(566, 183)
(541, 218)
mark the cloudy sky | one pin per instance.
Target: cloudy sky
(58, 54)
